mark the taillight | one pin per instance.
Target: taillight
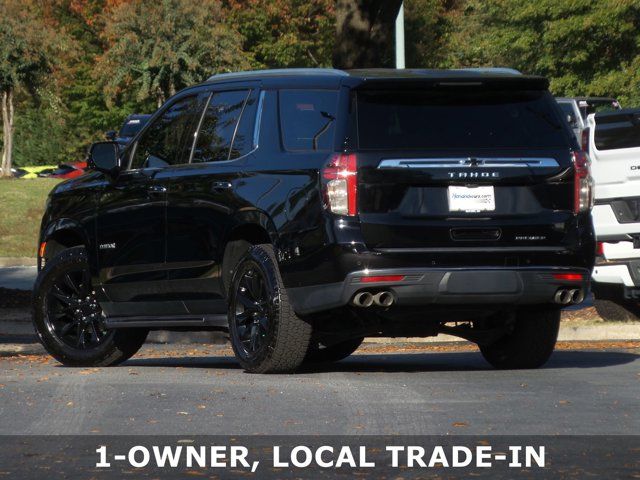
(582, 184)
(600, 249)
(341, 184)
(585, 140)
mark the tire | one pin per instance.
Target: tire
(611, 311)
(265, 333)
(62, 298)
(529, 343)
(333, 353)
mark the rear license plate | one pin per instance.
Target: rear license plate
(471, 199)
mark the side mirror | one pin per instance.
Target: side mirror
(111, 135)
(104, 157)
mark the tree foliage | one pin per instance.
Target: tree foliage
(157, 48)
(77, 68)
(584, 47)
(29, 48)
(285, 33)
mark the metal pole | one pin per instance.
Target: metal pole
(400, 38)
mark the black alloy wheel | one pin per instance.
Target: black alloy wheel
(266, 334)
(72, 311)
(69, 321)
(253, 310)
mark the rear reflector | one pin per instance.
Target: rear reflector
(574, 277)
(382, 278)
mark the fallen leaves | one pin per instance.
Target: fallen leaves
(460, 424)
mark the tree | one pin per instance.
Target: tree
(364, 33)
(156, 48)
(285, 33)
(28, 48)
(584, 47)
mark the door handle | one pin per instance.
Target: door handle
(221, 185)
(157, 189)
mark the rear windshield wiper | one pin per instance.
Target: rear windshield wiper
(324, 128)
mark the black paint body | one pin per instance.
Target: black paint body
(156, 237)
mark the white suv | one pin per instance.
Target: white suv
(614, 147)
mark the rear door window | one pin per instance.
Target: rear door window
(307, 119)
(458, 119)
(219, 126)
(617, 130)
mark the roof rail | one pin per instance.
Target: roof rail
(279, 72)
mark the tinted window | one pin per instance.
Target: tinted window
(468, 118)
(166, 141)
(308, 119)
(243, 139)
(618, 130)
(219, 126)
(567, 109)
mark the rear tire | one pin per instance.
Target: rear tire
(334, 353)
(611, 311)
(528, 344)
(68, 320)
(266, 334)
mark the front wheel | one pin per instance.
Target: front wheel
(68, 319)
(528, 342)
(266, 334)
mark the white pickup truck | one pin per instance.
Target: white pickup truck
(614, 147)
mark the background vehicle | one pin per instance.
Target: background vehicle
(578, 109)
(304, 210)
(65, 170)
(131, 126)
(614, 146)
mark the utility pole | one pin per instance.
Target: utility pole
(400, 38)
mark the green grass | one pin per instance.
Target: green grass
(21, 207)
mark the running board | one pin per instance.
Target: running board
(159, 322)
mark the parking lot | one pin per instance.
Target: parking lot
(591, 388)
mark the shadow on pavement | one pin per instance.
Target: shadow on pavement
(417, 362)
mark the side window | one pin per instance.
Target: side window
(218, 127)
(166, 141)
(308, 118)
(243, 139)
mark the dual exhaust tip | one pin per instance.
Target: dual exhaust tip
(566, 296)
(367, 299)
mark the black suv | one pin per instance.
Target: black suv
(303, 210)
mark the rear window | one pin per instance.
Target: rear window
(620, 130)
(308, 119)
(436, 119)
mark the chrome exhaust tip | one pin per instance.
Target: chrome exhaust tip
(362, 299)
(577, 296)
(563, 297)
(384, 299)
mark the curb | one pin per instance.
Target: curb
(24, 342)
(17, 262)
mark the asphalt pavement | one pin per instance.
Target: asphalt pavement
(188, 390)
(19, 278)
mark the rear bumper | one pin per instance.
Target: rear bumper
(426, 286)
(608, 227)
